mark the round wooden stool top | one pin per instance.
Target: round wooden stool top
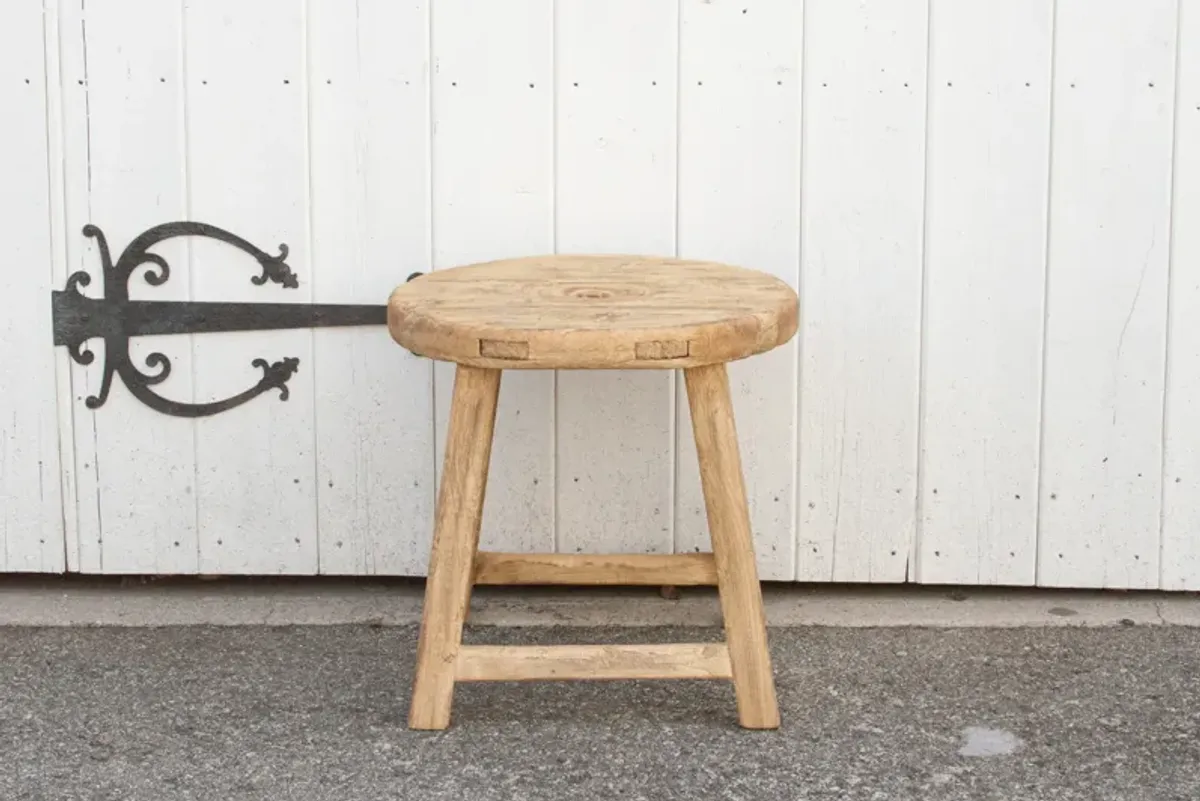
(592, 312)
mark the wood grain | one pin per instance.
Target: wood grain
(455, 539)
(126, 176)
(1100, 499)
(255, 470)
(985, 259)
(687, 569)
(1180, 568)
(597, 312)
(862, 220)
(373, 509)
(733, 545)
(32, 512)
(563, 662)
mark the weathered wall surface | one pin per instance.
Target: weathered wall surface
(988, 209)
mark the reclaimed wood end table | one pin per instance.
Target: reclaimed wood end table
(574, 312)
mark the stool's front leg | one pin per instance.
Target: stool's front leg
(455, 540)
(733, 545)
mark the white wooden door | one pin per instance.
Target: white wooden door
(985, 208)
(282, 128)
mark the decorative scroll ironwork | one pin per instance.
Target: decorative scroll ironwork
(116, 319)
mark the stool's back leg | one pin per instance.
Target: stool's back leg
(733, 546)
(455, 541)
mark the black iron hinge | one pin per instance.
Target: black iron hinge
(116, 319)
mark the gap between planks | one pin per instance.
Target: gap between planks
(681, 570)
(564, 662)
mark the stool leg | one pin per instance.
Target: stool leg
(733, 546)
(455, 541)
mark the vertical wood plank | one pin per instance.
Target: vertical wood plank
(739, 132)
(77, 253)
(493, 179)
(1180, 568)
(125, 174)
(1106, 294)
(248, 172)
(862, 220)
(985, 252)
(370, 220)
(31, 519)
(58, 49)
(615, 193)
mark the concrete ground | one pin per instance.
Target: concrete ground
(1093, 702)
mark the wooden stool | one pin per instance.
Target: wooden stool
(591, 312)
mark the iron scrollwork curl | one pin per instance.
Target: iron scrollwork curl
(116, 318)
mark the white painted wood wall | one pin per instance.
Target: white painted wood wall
(991, 209)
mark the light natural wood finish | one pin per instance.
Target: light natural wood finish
(685, 569)
(591, 312)
(594, 312)
(559, 662)
(733, 545)
(455, 540)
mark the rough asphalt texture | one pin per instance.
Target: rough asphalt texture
(881, 714)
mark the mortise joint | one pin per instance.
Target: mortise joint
(655, 349)
(501, 349)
